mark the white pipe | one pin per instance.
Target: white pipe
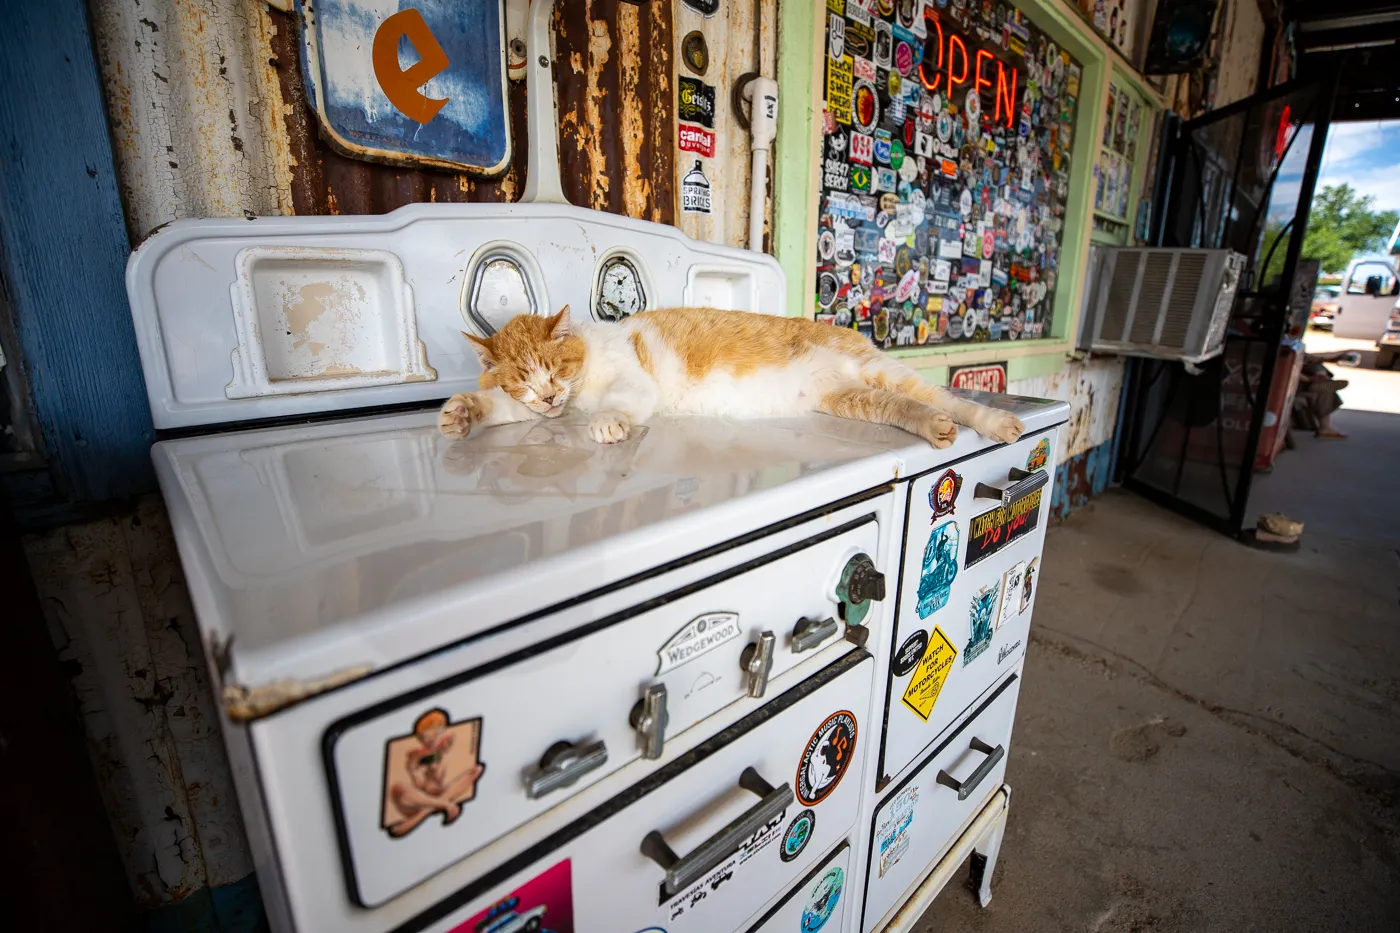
(909, 915)
(542, 183)
(758, 199)
(762, 95)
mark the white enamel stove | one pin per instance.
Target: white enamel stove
(694, 682)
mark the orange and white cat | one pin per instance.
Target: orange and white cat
(702, 361)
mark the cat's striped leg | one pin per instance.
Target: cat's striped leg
(990, 422)
(883, 406)
(467, 410)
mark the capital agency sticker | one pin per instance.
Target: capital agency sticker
(826, 758)
(927, 682)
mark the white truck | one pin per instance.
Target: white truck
(1370, 289)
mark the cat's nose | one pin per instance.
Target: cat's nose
(549, 399)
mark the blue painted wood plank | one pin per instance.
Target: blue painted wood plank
(64, 246)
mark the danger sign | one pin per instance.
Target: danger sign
(987, 377)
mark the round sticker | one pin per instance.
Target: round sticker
(909, 170)
(799, 833)
(903, 58)
(823, 898)
(945, 125)
(882, 219)
(695, 53)
(955, 328)
(973, 105)
(910, 653)
(888, 202)
(827, 287)
(893, 84)
(965, 203)
(882, 330)
(903, 261)
(866, 109)
(826, 245)
(917, 201)
(897, 153)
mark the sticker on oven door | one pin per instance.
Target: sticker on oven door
(701, 635)
(826, 758)
(979, 622)
(822, 899)
(431, 771)
(939, 570)
(1039, 455)
(944, 494)
(1011, 593)
(799, 833)
(995, 529)
(545, 903)
(892, 835)
(927, 682)
(909, 653)
(1028, 584)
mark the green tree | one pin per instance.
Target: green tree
(1341, 225)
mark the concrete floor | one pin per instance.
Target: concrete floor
(1208, 738)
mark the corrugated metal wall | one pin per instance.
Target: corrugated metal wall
(209, 117)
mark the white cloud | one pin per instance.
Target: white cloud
(1348, 143)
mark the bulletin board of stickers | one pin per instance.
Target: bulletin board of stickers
(945, 169)
(1113, 170)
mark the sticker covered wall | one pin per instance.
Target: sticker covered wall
(945, 171)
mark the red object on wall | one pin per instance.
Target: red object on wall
(1280, 410)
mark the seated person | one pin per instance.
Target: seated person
(1317, 396)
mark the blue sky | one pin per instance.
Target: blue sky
(1364, 155)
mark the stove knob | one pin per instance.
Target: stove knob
(861, 584)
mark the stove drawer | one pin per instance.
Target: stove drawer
(706, 842)
(964, 608)
(425, 779)
(922, 815)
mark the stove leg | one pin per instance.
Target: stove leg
(984, 859)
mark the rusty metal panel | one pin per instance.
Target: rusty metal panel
(1092, 388)
(612, 74)
(119, 614)
(209, 115)
(1241, 36)
(742, 38)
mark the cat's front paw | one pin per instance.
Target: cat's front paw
(940, 431)
(610, 427)
(1003, 426)
(458, 414)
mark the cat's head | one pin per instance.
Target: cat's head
(538, 361)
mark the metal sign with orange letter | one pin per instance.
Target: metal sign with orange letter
(423, 84)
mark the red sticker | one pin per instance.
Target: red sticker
(545, 902)
(990, 377)
(862, 148)
(694, 139)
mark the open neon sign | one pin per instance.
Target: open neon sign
(950, 67)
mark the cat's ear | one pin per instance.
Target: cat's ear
(560, 326)
(484, 351)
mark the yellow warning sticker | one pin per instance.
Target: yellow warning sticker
(929, 676)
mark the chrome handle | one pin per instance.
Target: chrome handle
(812, 632)
(649, 719)
(562, 764)
(1023, 483)
(965, 788)
(681, 873)
(757, 661)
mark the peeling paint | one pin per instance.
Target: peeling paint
(242, 703)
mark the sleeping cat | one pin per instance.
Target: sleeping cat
(702, 361)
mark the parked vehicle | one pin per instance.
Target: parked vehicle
(1324, 306)
(1369, 290)
(1388, 345)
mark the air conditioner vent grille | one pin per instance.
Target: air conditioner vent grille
(1120, 294)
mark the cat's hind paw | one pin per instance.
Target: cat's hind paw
(610, 427)
(459, 412)
(940, 431)
(1002, 426)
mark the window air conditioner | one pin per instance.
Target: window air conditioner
(1170, 304)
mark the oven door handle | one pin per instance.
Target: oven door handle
(1022, 483)
(681, 873)
(965, 788)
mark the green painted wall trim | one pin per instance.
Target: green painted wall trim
(1023, 367)
(800, 104)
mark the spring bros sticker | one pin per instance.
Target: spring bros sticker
(826, 758)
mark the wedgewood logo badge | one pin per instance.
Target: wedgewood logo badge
(701, 635)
